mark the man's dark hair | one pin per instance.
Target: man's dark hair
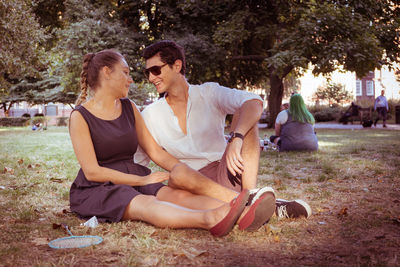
(169, 52)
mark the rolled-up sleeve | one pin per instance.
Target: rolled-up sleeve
(228, 100)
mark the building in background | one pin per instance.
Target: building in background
(365, 88)
(362, 89)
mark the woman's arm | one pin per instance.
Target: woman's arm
(84, 151)
(161, 157)
(278, 129)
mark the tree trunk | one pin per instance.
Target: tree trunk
(7, 109)
(274, 98)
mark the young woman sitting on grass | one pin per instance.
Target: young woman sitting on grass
(105, 131)
(294, 128)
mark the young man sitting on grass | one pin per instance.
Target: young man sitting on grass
(188, 122)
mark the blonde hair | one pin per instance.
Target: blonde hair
(92, 64)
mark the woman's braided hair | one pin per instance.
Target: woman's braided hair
(91, 67)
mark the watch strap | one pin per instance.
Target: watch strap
(233, 135)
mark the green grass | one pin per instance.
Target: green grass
(358, 170)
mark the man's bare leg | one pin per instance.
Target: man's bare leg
(184, 177)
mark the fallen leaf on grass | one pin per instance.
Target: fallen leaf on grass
(380, 236)
(66, 211)
(192, 253)
(150, 261)
(112, 259)
(56, 225)
(343, 212)
(33, 166)
(396, 220)
(39, 241)
(57, 180)
(20, 161)
(8, 170)
(150, 231)
(125, 234)
(273, 230)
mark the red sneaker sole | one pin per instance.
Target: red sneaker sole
(259, 213)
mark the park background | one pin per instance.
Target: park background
(352, 182)
(331, 52)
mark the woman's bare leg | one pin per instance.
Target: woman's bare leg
(164, 214)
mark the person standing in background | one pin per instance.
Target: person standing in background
(382, 107)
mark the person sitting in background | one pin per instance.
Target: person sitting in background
(284, 106)
(37, 126)
(352, 111)
(294, 128)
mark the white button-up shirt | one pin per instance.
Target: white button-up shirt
(207, 107)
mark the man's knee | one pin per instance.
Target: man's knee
(179, 175)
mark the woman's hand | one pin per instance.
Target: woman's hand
(157, 177)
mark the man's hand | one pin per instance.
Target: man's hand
(234, 160)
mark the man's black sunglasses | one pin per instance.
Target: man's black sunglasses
(155, 70)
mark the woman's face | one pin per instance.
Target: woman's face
(120, 78)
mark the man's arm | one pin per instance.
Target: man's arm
(277, 129)
(376, 100)
(249, 115)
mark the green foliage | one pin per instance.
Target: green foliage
(89, 29)
(140, 92)
(325, 113)
(40, 91)
(235, 43)
(8, 122)
(21, 38)
(334, 93)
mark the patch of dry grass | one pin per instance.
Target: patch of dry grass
(352, 184)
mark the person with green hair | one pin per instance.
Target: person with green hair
(294, 127)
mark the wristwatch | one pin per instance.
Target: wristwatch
(233, 135)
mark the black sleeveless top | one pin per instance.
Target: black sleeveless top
(113, 140)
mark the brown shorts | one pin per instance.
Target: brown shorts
(219, 173)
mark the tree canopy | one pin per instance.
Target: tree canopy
(236, 43)
(21, 53)
(334, 93)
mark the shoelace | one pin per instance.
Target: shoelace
(282, 212)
